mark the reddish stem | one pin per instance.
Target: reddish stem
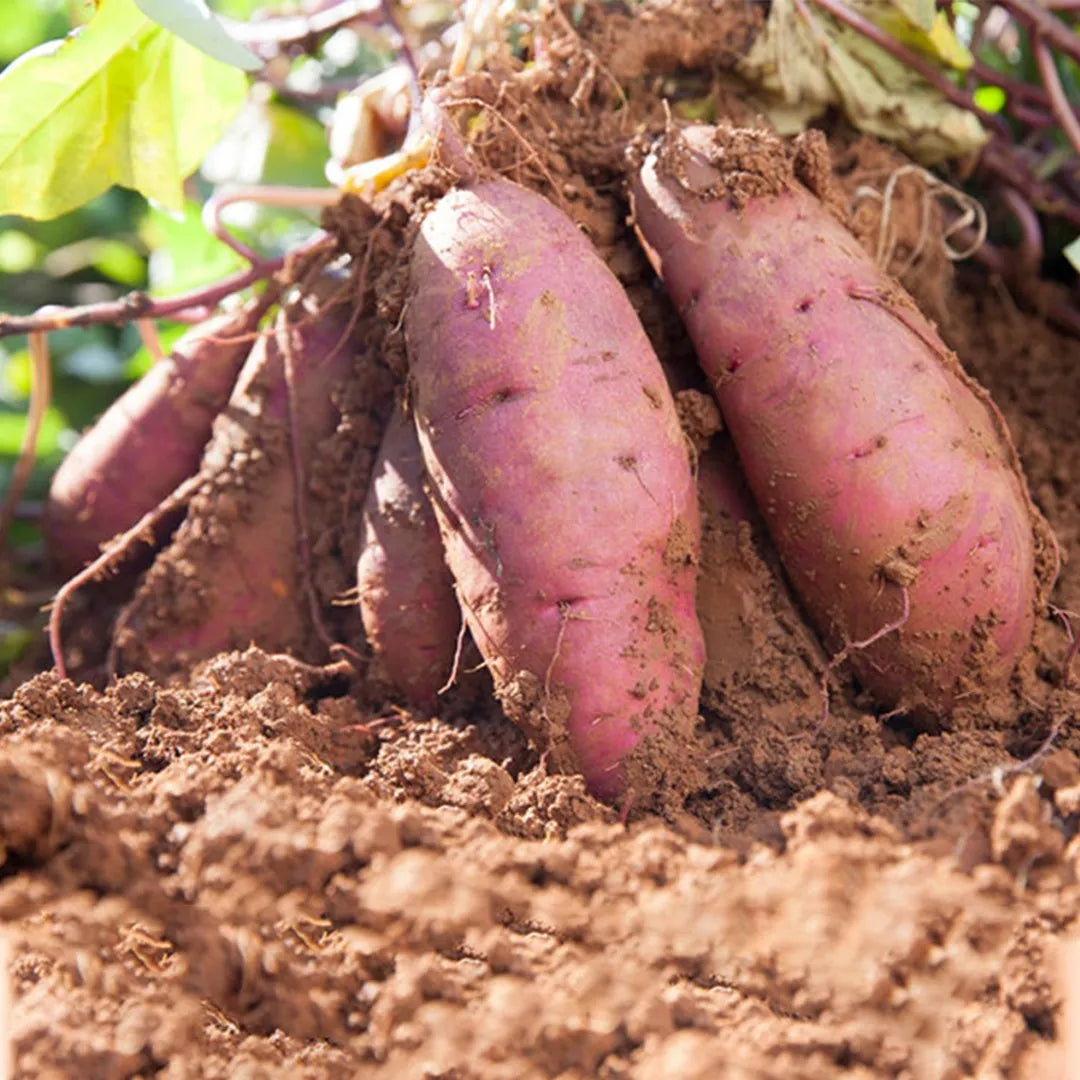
(998, 157)
(1000, 160)
(404, 50)
(263, 195)
(1034, 118)
(1000, 261)
(1031, 242)
(1022, 90)
(1059, 103)
(138, 305)
(1047, 25)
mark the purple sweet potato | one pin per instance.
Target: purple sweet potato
(562, 485)
(728, 596)
(231, 576)
(760, 657)
(146, 443)
(885, 475)
(407, 600)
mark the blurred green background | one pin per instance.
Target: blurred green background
(119, 242)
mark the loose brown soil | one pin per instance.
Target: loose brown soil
(267, 868)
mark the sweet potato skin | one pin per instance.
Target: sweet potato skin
(146, 443)
(562, 485)
(230, 577)
(879, 466)
(407, 601)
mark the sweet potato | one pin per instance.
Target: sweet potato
(231, 575)
(562, 485)
(760, 657)
(407, 601)
(728, 595)
(146, 442)
(885, 475)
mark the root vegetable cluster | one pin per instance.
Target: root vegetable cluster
(534, 487)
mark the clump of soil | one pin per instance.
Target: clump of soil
(267, 868)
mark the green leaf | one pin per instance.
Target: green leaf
(297, 152)
(12, 425)
(24, 24)
(169, 333)
(14, 378)
(18, 252)
(110, 256)
(185, 255)
(121, 262)
(1072, 253)
(122, 101)
(933, 38)
(238, 9)
(14, 641)
(991, 98)
(197, 25)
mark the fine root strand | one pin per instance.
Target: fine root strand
(971, 215)
(856, 646)
(455, 667)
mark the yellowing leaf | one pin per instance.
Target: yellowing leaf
(936, 40)
(917, 13)
(122, 101)
(801, 66)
